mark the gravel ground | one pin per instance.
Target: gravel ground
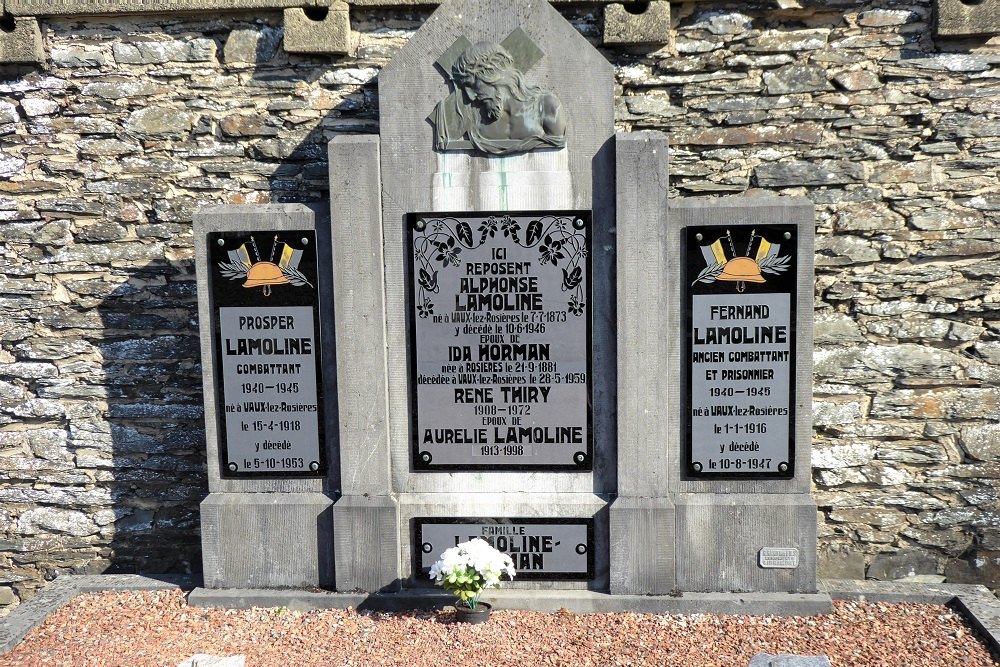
(159, 630)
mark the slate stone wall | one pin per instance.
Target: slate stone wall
(137, 121)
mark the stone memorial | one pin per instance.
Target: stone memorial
(475, 381)
(262, 285)
(531, 345)
(119, 119)
(745, 520)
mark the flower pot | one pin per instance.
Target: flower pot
(464, 614)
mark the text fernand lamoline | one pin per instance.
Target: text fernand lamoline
(740, 335)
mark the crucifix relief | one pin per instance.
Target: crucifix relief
(491, 108)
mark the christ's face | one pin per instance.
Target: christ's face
(486, 95)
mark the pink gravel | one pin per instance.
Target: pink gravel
(158, 629)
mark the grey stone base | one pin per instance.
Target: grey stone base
(638, 530)
(719, 537)
(788, 660)
(367, 546)
(753, 604)
(267, 540)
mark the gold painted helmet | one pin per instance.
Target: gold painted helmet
(743, 270)
(264, 274)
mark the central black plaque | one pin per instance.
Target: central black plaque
(500, 328)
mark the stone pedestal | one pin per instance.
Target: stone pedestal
(723, 524)
(267, 540)
(719, 540)
(375, 183)
(641, 544)
(366, 531)
(366, 517)
(642, 517)
(267, 531)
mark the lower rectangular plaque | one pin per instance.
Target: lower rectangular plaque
(542, 549)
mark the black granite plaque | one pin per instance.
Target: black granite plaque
(266, 326)
(739, 301)
(541, 548)
(500, 318)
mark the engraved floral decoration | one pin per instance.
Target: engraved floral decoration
(426, 308)
(438, 243)
(448, 253)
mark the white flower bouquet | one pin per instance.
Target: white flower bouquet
(469, 568)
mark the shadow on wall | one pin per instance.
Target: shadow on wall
(102, 442)
(150, 345)
(325, 95)
(155, 477)
(255, 154)
(102, 439)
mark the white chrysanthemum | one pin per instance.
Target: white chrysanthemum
(475, 556)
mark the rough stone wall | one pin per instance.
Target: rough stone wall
(135, 122)
(896, 138)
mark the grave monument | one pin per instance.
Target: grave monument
(530, 347)
(487, 206)
(262, 283)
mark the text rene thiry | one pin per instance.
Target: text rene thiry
(489, 292)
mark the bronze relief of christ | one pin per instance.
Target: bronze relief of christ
(492, 108)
